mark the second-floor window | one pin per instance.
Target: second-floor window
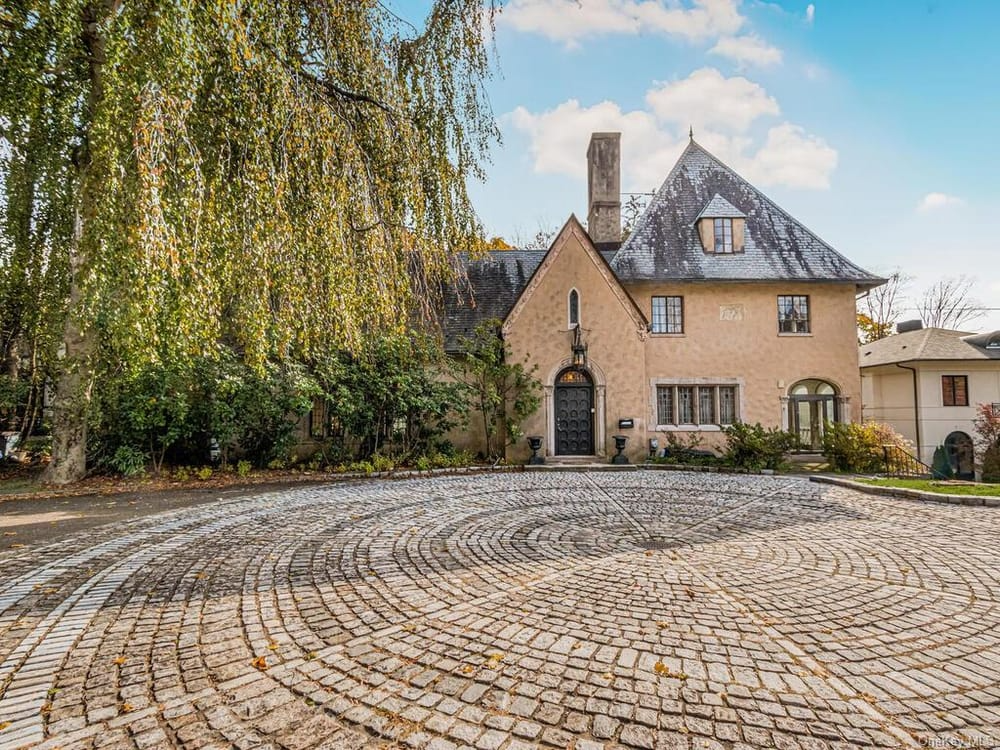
(723, 235)
(793, 313)
(955, 390)
(668, 315)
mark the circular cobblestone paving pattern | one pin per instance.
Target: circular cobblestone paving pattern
(566, 610)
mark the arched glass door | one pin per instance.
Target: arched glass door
(811, 404)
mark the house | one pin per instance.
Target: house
(927, 382)
(718, 307)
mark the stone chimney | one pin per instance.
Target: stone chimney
(604, 206)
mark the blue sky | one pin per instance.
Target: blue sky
(872, 122)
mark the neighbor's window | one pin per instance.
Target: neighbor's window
(574, 308)
(723, 235)
(695, 404)
(955, 390)
(668, 315)
(793, 313)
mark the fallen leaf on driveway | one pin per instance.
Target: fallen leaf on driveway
(260, 663)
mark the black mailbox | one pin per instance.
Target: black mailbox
(626, 424)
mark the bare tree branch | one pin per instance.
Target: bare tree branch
(947, 303)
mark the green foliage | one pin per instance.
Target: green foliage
(129, 461)
(941, 463)
(858, 448)
(987, 426)
(182, 408)
(182, 474)
(391, 400)
(284, 178)
(243, 468)
(382, 463)
(204, 473)
(504, 394)
(685, 449)
(754, 447)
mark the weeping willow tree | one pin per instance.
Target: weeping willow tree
(278, 177)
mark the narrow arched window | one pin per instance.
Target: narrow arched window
(574, 308)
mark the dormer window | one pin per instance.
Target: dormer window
(574, 308)
(721, 227)
(994, 341)
(723, 235)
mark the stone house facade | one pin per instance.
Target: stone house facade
(718, 307)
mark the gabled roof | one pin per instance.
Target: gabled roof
(573, 228)
(492, 286)
(665, 245)
(720, 208)
(926, 344)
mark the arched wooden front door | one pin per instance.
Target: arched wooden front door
(574, 411)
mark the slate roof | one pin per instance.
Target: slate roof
(665, 245)
(720, 208)
(935, 344)
(493, 284)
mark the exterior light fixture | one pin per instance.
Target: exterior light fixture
(579, 349)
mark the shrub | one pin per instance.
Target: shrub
(754, 447)
(390, 400)
(361, 467)
(204, 473)
(987, 424)
(859, 448)
(423, 463)
(243, 468)
(382, 463)
(182, 474)
(941, 463)
(991, 464)
(129, 461)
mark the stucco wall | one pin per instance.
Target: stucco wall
(731, 334)
(538, 332)
(888, 398)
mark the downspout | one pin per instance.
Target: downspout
(916, 404)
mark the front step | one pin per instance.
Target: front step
(580, 463)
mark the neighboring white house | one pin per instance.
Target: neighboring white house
(927, 383)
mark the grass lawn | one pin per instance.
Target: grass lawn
(944, 488)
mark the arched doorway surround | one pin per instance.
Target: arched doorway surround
(599, 390)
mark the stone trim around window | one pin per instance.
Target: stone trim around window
(717, 406)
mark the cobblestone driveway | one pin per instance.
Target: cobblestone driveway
(640, 609)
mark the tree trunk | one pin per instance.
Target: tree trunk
(74, 382)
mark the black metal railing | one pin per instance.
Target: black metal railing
(900, 463)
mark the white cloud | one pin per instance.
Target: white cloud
(748, 49)
(790, 156)
(722, 111)
(707, 99)
(569, 21)
(933, 201)
(810, 14)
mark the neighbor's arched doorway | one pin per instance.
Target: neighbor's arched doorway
(961, 455)
(574, 413)
(811, 404)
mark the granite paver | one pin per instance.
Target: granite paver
(604, 610)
